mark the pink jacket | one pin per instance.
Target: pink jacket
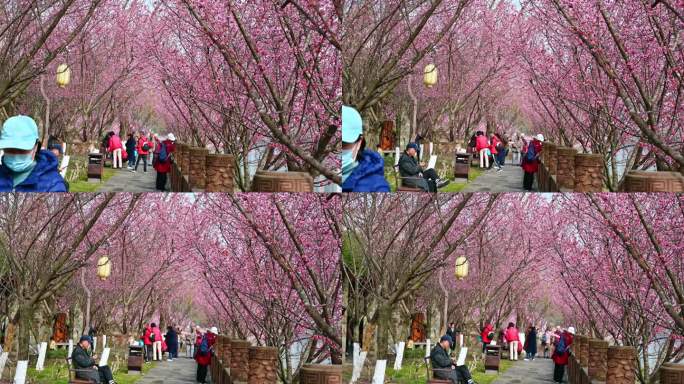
(157, 334)
(114, 143)
(511, 334)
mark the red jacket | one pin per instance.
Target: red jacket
(141, 141)
(481, 142)
(562, 358)
(511, 334)
(531, 166)
(494, 142)
(485, 333)
(146, 336)
(114, 143)
(206, 359)
(164, 167)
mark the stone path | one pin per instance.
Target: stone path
(508, 180)
(178, 371)
(127, 181)
(538, 371)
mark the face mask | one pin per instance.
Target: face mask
(348, 163)
(18, 163)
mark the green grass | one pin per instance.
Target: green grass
(83, 185)
(413, 372)
(56, 371)
(442, 168)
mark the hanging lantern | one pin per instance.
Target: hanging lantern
(63, 75)
(430, 76)
(461, 268)
(104, 268)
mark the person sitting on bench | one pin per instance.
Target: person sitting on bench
(444, 368)
(85, 366)
(413, 175)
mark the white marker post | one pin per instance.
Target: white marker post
(400, 355)
(42, 350)
(397, 154)
(104, 358)
(71, 348)
(20, 374)
(379, 374)
(104, 341)
(3, 361)
(94, 343)
(460, 340)
(427, 348)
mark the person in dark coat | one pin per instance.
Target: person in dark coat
(171, 338)
(413, 175)
(25, 167)
(363, 170)
(130, 149)
(531, 343)
(561, 354)
(85, 366)
(444, 368)
(453, 333)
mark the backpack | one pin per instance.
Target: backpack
(531, 152)
(204, 346)
(146, 146)
(544, 339)
(561, 347)
(163, 154)
(152, 337)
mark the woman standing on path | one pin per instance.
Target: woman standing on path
(203, 354)
(171, 342)
(115, 147)
(143, 149)
(561, 354)
(531, 343)
(156, 343)
(513, 339)
(530, 160)
(130, 148)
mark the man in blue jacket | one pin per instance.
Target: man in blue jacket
(25, 167)
(363, 170)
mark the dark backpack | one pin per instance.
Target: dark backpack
(146, 146)
(163, 154)
(204, 346)
(531, 152)
(561, 347)
(152, 337)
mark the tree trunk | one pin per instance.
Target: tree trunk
(384, 323)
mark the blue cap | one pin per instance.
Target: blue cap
(19, 132)
(446, 338)
(352, 125)
(412, 145)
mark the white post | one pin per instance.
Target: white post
(20, 374)
(104, 341)
(104, 358)
(379, 374)
(42, 349)
(427, 348)
(94, 343)
(431, 148)
(358, 368)
(3, 361)
(397, 154)
(460, 340)
(71, 348)
(400, 355)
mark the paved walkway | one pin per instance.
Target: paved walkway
(538, 371)
(127, 181)
(178, 371)
(508, 180)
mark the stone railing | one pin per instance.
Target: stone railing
(594, 361)
(238, 362)
(562, 169)
(194, 169)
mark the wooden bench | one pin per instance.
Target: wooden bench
(398, 182)
(430, 373)
(72, 374)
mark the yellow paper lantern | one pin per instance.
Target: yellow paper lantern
(430, 75)
(63, 75)
(104, 268)
(461, 267)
